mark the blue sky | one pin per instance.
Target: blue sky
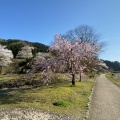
(40, 20)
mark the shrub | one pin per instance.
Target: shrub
(35, 80)
(59, 78)
(60, 103)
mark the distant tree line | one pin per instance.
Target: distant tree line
(15, 46)
(113, 65)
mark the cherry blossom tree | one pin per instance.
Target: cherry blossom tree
(72, 55)
(68, 56)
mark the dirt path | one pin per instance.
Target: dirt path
(105, 100)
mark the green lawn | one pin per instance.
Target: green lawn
(62, 98)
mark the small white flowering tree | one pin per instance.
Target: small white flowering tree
(26, 52)
(5, 56)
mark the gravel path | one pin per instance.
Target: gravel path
(105, 103)
(31, 114)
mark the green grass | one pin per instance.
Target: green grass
(61, 98)
(114, 80)
(5, 78)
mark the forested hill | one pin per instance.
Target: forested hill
(113, 65)
(15, 45)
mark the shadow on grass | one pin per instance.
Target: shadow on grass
(7, 99)
(11, 96)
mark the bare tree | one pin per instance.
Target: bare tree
(85, 33)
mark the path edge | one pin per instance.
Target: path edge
(86, 116)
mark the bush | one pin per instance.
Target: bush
(35, 80)
(60, 103)
(59, 78)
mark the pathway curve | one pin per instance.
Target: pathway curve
(105, 103)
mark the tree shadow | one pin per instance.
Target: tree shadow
(11, 96)
(7, 99)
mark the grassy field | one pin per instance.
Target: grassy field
(61, 98)
(111, 77)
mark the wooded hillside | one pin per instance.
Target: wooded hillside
(113, 65)
(15, 46)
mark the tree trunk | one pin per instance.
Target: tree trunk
(80, 77)
(73, 79)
